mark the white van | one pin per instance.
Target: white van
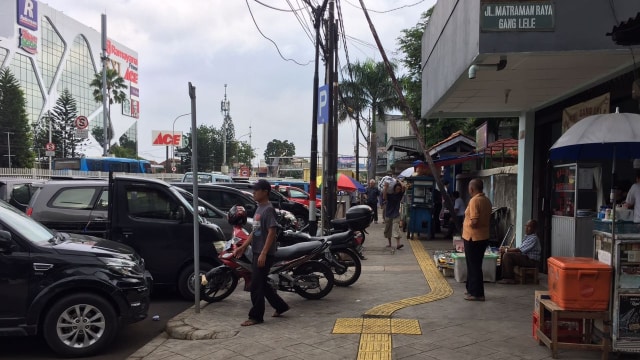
(208, 177)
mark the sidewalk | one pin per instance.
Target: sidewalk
(372, 319)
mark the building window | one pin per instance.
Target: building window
(78, 73)
(50, 55)
(22, 68)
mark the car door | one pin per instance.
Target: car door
(150, 222)
(15, 269)
(72, 209)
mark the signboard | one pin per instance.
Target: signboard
(481, 137)
(28, 14)
(575, 113)
(50, 147)
(518, 16)
(323, 104)
(81, 122)
(82, 133)
(166, 138)
(50, 153)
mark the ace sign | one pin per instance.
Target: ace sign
(166, 138)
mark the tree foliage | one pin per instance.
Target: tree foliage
(368, 88)
(115, 94)
(62, 118)
(276, 149)
(14, 122)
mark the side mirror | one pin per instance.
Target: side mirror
(180, 214)
(202, 211)
(7, 245)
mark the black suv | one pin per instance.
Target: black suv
(76, 290)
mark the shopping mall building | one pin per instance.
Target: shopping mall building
(48, 52)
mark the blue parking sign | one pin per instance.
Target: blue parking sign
(323, 104)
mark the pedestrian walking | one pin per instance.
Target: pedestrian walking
(475, 233)
(264, 248)
(392, 213)
(372, 198)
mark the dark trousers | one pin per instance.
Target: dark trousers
(435, 219)
(260, 289)
(474, 254)
(510, 260)
(374, 207)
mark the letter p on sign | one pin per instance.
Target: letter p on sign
(323, 104)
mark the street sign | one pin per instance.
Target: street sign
(323, 105)
(81, 122)
(180, 153)
(50, 147)
(82, 133)
(173, 169)
(49, 153)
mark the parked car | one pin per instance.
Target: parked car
(75, 290)
(149, 215)
(18, 191)
(296, 194)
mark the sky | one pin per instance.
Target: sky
(212, 43)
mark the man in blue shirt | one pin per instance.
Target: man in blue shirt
(527, 255)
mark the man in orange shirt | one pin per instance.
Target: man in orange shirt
(475, 233)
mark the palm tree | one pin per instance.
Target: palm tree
(369, 88)
(115, 93)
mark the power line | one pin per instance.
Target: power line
(277, 9)
(273, 42)
(386, 11)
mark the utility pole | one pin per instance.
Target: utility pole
(9, 147)
(105, 58)
(225, 107)
(331, 169)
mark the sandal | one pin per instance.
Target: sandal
(279, 314)
(250, 322)
(400, 246)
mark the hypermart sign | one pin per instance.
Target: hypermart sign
(517, 16)
(166, 138)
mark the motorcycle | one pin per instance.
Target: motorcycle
(346, 245)
(295, 269)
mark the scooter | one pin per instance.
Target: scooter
(296, 268)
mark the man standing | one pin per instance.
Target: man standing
(372, 198)
(633, 198)
(475, 233)
(392, 213)
(264, 248)
(527, 255)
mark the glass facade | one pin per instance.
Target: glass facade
(3, 55)
(77, 74)
(50, 53)
(22, 68)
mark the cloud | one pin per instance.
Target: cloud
(212, 43)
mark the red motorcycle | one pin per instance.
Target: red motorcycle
(295, 268)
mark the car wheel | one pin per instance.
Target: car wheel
(80, 325)
(186, 283)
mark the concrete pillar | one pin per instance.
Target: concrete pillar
(524, 211)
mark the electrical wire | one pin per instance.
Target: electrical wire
(278, 9)
(302, 23)
(386, 11)
(273, 42)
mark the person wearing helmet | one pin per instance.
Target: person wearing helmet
(263, 238)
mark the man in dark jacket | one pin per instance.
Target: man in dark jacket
(372, 198)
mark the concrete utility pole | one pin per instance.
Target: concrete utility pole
(105, 58)
(331, 168)
(9, 146)
(225, 107)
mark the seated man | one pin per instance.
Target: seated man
(527, 255)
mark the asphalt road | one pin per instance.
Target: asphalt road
(164, 303)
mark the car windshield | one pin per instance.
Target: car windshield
(187, 202)
(28, 228)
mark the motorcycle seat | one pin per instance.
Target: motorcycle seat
(340, 238)
(297, 250)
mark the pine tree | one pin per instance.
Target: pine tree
(14, 122)
(62, 118)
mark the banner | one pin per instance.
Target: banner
(575, 113)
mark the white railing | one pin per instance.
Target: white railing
(47, 174)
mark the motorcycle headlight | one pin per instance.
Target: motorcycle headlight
(124, 267)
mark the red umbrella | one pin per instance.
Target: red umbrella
(345, 182)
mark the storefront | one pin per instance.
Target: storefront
(535, 60)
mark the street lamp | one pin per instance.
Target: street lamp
(173, 146)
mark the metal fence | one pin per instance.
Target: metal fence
(47, 174)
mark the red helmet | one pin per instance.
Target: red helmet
(237, 215)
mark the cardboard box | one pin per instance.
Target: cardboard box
(579, 283)
(489, 265)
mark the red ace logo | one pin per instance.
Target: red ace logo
(165, 138)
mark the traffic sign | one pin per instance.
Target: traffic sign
(50, 147)
(82, 133)
(244, 173)
(49, 153)
(173, 168)
(180, 153)
(81, 122)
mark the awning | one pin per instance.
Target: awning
(453, 160)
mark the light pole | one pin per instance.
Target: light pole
(173, 146)
(9, 146)
(225, 107)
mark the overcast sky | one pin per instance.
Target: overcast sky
(212, 43)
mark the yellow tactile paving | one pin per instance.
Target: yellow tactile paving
(377, 326)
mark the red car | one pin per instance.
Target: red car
(296, 194)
